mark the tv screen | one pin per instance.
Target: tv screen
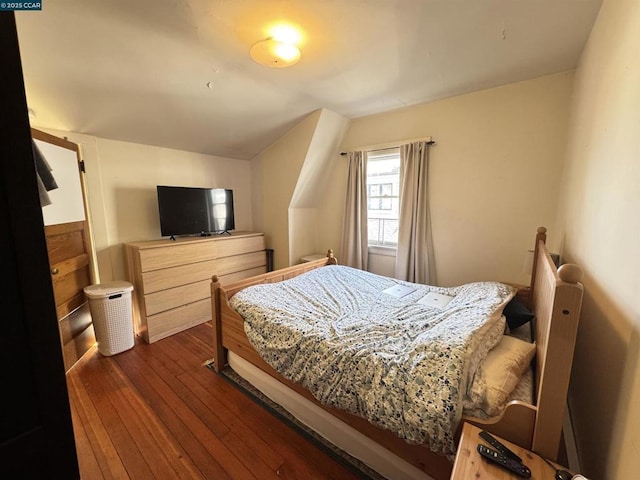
(192, 210)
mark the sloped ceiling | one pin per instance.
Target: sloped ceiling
(178, 73)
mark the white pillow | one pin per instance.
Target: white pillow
(500, 372)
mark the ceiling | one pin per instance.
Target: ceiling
(177, 73)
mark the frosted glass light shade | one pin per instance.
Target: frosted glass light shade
(275, 54)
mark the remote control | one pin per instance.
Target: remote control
(495, 443)
(505, 462)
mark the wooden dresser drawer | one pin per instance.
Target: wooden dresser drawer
(174, 297)
(166, 278)
(235, 246)
(227, 265)
(237, 276)
(174, 255)
(173, 321)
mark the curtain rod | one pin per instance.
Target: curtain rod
(382, 146)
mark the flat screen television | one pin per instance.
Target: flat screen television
(195, 211)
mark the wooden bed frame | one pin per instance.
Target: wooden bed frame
(555, 296)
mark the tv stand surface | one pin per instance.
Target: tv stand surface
(206, 234)
(213, 234)
(172, 277)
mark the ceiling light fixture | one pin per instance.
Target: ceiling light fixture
(279, 50)
(275, 54)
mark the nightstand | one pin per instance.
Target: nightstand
(469, 463)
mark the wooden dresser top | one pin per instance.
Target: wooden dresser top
(167, 242)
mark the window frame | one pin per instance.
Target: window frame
(388, 248)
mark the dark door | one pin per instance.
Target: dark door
(36, 434)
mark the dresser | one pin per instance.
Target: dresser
(172, 278)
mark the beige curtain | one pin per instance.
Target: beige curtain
(354, 251)
(414, 258)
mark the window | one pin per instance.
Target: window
(380, 196)
(383, 197)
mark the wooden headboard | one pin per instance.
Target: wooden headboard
(555, 294)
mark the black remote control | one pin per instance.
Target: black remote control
(518, 468)
(495, 443)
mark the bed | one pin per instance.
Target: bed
(555, 296)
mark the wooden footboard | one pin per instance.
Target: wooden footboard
(555, 298)
(230, 337)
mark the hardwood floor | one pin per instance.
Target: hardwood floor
(156, 412)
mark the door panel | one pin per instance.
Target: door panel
(68, 291)
(68, 245)
(76, 333)
(66, 240)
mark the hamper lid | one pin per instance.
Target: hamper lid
(102, 290)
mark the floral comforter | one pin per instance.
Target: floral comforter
(403, 365)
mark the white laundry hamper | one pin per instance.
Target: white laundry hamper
(112, 314)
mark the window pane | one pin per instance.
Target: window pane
(383, 187)
(386, 189)
(383, 232)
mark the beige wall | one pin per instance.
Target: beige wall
(292, 178)
(121, 185)
(276, 171)
(311, 200)
(600, 221)
(494, 174)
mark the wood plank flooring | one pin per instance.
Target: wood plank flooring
(156, 412)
